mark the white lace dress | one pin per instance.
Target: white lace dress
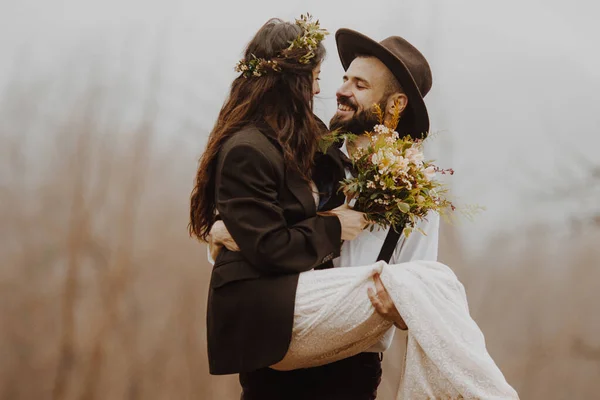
(446, 356)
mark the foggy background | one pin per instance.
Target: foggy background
(105, 108)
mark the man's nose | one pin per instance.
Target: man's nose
(343, 91)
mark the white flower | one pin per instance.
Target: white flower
(382, 170)
(381, 129)
(377, 158)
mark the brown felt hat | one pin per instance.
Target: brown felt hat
(407, 64)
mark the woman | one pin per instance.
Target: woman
(254, 174)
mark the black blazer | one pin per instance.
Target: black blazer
(271, 214)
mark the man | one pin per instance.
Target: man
(392, 74)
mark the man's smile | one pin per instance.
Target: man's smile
(345, 110)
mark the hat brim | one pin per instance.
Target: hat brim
(351, 44)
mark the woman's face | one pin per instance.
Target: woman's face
(316, 72)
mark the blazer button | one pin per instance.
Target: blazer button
(327, 258)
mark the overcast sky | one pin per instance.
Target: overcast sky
(515, 92)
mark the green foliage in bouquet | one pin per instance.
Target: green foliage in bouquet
(331, 137)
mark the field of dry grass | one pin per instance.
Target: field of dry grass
(103, 294)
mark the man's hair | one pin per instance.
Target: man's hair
(392, 85)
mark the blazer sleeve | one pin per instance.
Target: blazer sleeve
(247, 201)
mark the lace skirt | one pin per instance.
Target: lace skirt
(446, 353)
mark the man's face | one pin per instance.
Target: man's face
(365, 84)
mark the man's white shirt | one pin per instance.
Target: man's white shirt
(366, 247)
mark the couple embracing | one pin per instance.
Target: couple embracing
(303, 300)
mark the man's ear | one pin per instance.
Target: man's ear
(395, 100)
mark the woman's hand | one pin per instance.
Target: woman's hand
(219, 236)
(384, 305)
(353, 222)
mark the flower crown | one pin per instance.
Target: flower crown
(307, 42)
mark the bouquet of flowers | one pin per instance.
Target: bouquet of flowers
(393, 184)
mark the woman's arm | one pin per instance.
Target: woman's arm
(247, 201)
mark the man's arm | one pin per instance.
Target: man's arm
(381, 300)
(218, 238)
(416, 247)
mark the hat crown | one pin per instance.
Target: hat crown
(415, 62)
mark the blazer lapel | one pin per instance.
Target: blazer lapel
(293, 180)
(301, 190)
(329, 172)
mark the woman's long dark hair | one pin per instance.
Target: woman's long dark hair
(284, 98)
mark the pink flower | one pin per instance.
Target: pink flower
(414, 155)
(429, 172)
(401, 163)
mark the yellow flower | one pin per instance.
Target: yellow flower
(384, 159)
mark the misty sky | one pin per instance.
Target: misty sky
(515, 92)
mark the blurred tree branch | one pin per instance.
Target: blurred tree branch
(584, 350)
(583, 188)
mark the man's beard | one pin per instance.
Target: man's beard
(361, 121)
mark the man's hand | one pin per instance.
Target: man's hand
(384, 305)
(219, 236)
